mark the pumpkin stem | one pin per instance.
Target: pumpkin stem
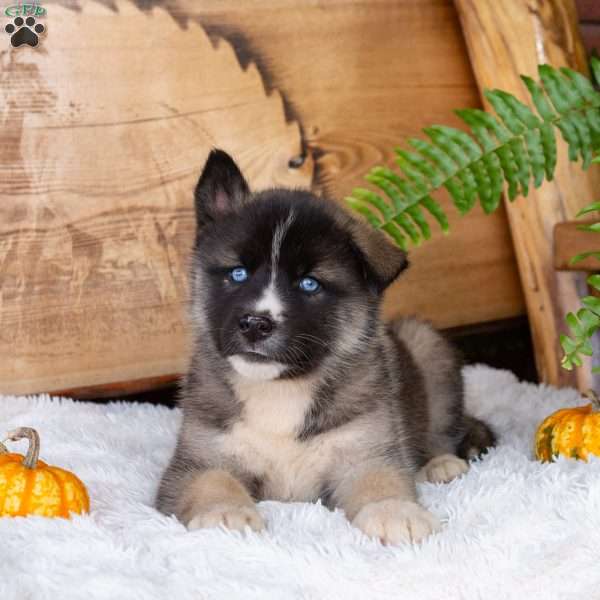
(3, 449)
(33, 453)
(591, 394)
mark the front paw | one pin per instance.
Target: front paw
(443, 468)
(232, 516)
(394, 521)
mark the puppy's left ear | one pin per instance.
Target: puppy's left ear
(382, 261)
(221, 189)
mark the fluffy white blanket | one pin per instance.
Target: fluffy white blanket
(514, 528)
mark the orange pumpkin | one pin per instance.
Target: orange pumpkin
(572, 432)
(29, 486)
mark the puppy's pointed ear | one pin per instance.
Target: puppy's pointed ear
(221, 189)
(382, 261)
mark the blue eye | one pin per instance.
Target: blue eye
(239, 274)
(309, 285)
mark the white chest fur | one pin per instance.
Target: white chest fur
(264, 441)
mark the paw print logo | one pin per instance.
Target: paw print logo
(24, 31)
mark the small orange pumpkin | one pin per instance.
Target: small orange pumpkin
(29, 486)
(572, 432)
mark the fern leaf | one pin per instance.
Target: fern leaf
(595, 66)
(509, 167)
(480, 131)
(405, 190)
(594, 227)
(579, 257)
(504, 111)
(580, 83)
(484, 183)
(439, 158)
(569, 134)
(522, 112)
(360, 207)
(535, 151)
(517, 146)
(419, 218)
(436, 210)
(392, 191)
(561, 95)
(539, 99)
(594, 281)
(593, 119)
(412, 164)
(585, 137)
(448, 146)
(514, 147)
(590, 208)
(455, 189)
(583, 325)
(393, 185)
(469, 183)
(375, 200)
(461, 138)
(549, 146)
(592, 304)
(494, 169)
(416, 176)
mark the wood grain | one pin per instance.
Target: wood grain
(570, 241)
(118, 388)
(105, 134)
(102, 140)
(588, 10)
(504, 40)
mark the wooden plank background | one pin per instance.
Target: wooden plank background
(506, 40)
(102, 143)
(589, 22)
(354, 78)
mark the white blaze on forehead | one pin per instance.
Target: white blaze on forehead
(270, 302)
(256, 370)
(278, 236)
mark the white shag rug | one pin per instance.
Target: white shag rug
(514, 528)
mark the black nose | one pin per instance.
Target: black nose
(256, 327)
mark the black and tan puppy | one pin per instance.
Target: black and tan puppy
(296, 390)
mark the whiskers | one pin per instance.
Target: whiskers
(311, 338)
(298, 350)
(293, 354)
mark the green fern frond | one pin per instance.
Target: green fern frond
(515, 148)
(586, 322)
(583, 326)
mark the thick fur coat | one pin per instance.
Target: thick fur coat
(296, 389)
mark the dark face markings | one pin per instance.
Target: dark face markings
(312, 245)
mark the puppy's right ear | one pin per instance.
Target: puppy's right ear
(382, 261)
(221, 189)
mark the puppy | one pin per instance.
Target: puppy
(296, 390)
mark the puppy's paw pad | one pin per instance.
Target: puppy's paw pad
(444, 468)
(231, 516)
(394, 521)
